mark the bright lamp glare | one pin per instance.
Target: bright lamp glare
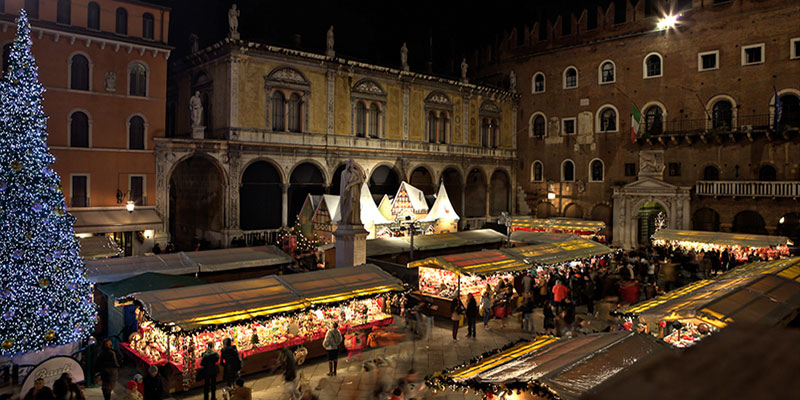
(782, 220)
(667, 22)
(551, 196)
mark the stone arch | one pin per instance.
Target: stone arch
(268, 160)
(767, 172)
(573, 210)
(261, 196)
(710, 107)
(320, 167)
(476, 190)
(749, 221)
(792, 119)
(603, 212)
(422, 178)
(789, 226)
(641, 230)
(336, 176)
(197, 185)
(705, 219)
(306, 177)
(710, 172)
(385, 179)
(499, 192)
(453, 181)
(545, 209)
(287, 74)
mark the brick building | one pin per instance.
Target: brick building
(104, 65)
(710, 152)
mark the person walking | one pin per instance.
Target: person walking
(549, 317)
(486, 306)
(108, 364)
(472, 315)
(153, 385)
(64, 389)
(231, 362)
(210, 371)
(527, 312)
(456, 311)
(560, 292)
(333, 338)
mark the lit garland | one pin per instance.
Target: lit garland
(45, 296)
(304, 244)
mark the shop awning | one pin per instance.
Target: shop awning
(487, 262)
(384, 246)
(567, 367)
(561, 223)
(192, 307)
(238, 258)
(117, 269)
(97, 247)
(559, 252)
(147, 282)
(535, 237)
(721, 238)
(91, 220)
(338, 284)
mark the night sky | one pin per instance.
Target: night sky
(367, 31)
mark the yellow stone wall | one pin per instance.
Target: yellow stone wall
(458, 115)
(341, 103)
(416, 113)
(318, 109)
(506, 124)
(394, 111)
(252, 96)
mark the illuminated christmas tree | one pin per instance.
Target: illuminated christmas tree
(45, 298)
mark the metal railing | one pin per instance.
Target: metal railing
(256, 237)
(748, 188)
(741, 123)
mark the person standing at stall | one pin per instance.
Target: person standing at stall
(472, 315)
(231, 362)
(333, 338)
(456, 311)
(108, 364)
(153, 385)
(210, 370)
(486, 306)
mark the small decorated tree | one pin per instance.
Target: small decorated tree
(45, 298)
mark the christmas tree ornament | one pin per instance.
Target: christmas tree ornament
(44, 283)
(7, 344)
(50, 335)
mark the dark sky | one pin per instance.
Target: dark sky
(371, 31)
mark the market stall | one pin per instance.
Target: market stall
(548, 367)
(397, 249)
(534, 237)
(575, 226)
(547, 254)
(259, 315)
(764, 292)
(740, 244)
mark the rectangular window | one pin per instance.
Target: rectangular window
(674, 169)
(708, 61)
(136, 190)
(568, 126)
(753, 54)
(80, 191)
(794, 49)
(630, 169)
(591, 18)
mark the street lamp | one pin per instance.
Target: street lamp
(551, 196)
(411, 226)
(667, 22)
(130, 206)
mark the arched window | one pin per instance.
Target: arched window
(78, 129)
(722, 115)
(122, 21)
(32, 8)
(538, 126)
(652, 64)
(653, 120)
(278, 112)
(361, 119)
(444, 126)
(607, 72)
(790, 110)
(93, 16)
(485, 132)
(767, 173)
(6, 58)
(710, 173)
(538, 83)
(570, 78)
(79, 73)
(537, 171)
(136, 133)
(295, 113)
(433, 126)
(608, 120)
(596, 171)
(374, 118)
(63, 11)
(148, 25)
(138, 80)
(494, 130)
(568, 171)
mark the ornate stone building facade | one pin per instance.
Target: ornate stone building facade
(279, 124)
(710, 153)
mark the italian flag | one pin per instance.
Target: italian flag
(636, 121)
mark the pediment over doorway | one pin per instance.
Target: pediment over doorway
(650, 185)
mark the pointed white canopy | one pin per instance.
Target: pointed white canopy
(332, 202)
(442, 208)
(415, 196)
(369, 211)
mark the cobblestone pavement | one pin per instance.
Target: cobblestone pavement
(354, 383)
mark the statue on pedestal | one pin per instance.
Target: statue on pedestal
(196, 110)
(350, 192)
(464, 67)
(404, 57)
(233, 21)
(512, 81)
(329, 43)
(194, 43)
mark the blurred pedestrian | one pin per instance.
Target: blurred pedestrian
(65, 389)
(210, 371)
(108, 364)
(472, 315)
(486, 307)
(39, 391)
(333, 338)
(153, 385)
(132, 392)
(231, 362)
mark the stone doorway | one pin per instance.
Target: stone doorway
(647, 224)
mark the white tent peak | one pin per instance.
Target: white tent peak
(442, 208)
(369, 211)
(415, 196)
(332, 202)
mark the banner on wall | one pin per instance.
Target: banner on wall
(50, 370)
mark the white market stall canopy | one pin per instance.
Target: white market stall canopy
(721, 238)
(442, 208)
(184, 263)
(97, 247)
(536, 237)
(115, 220)
(212, 304)
(397, 245)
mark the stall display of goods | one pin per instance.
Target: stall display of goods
(688, 334)
(739, 253)
(157, 347)
(444, 283)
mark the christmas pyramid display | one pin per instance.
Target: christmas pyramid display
(409, 202)
(45, 298)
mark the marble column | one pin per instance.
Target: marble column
(284, 204)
